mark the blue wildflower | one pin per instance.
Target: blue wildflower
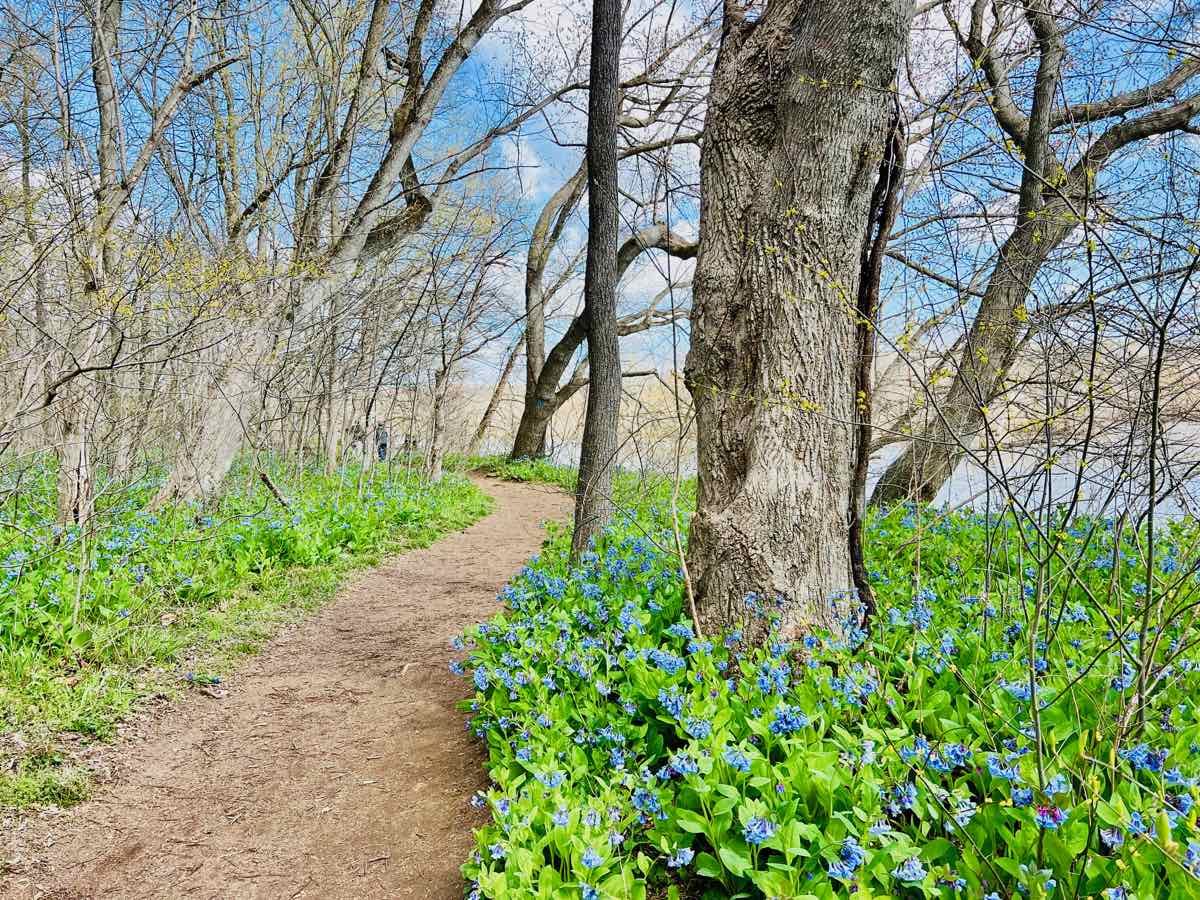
(758, 830)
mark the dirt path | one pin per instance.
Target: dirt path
(337, 767)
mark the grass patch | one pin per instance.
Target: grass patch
(635, 493)
(43, 783)
(190, 590)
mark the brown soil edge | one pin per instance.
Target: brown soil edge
(337, 766)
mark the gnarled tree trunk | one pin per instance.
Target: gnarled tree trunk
(796, 127)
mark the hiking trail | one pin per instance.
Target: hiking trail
(338, 765)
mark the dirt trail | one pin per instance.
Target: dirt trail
(338, 765)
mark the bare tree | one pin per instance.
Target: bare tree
(1064, 140)
(656, 121)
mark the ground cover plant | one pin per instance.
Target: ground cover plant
(148, 602)
(997, 732)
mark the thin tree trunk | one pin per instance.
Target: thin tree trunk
(494, 402)
(593, 501)
(884, 200)
(76, 489)
(796, 121)
(437, 426)
(334, 422)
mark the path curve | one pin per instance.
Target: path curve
(337, 767)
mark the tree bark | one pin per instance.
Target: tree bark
(795, 128)
(597, 452)
(437, 426)
(882, 215)
(494, 403)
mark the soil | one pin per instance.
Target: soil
(337, 765)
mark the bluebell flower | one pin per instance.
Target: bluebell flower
(851, 853)
(1142, 756)
(1137, 824)
(1059, 784)
(1191, 859)
(904, 796)
(840, 871)
(672, 701)
(646, 801)
(591, 859)
(758, 830)
(868, 753)
(788, 719)
(1125, 680)
(1049, 817)
(683, 764)
(1018, 689)
(681, 857)
(999, 770)
(737, 759)
(910, 871)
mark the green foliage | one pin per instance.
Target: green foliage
(540, 471)
(91, 621)
(632, 491)
(631, 757)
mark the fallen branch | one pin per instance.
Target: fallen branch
(266, 479)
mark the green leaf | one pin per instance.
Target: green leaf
(706, 866)
(736, 861)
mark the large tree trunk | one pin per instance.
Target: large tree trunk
(593, 501)
(233, 398)
(795, 129)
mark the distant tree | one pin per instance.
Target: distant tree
(657, 120)
(1072, 138)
